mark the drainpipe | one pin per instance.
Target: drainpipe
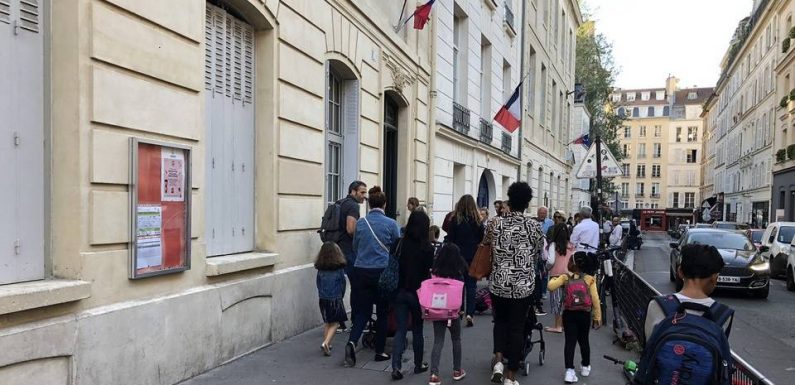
(432, 127)
(522, 75)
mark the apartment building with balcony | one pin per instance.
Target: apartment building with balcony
(661, 144)
(549, 56)
(477, 66)
(783, 148)
(743, 116)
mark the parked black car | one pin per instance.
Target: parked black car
(745, 268)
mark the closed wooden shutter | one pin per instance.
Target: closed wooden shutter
(21, 142)
(229, 84)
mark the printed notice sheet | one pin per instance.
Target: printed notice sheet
(173, 174)
(149, 249)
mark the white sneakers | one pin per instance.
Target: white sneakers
(509, 382)
(585, 371)
(496, 373)
(571, 377)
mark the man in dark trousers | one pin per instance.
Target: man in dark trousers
(349, 214)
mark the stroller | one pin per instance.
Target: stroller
(530, 325)
(368, 336)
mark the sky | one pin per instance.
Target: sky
(654, 38)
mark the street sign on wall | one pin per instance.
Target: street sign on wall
(610, 166)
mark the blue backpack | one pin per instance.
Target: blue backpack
(686, 348)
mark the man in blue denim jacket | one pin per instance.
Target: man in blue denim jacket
(374, 237)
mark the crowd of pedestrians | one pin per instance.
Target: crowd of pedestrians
(531, 259)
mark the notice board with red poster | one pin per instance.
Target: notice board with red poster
(159, 208)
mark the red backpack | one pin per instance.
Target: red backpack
(576, 295)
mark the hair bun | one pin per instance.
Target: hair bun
(374, 189)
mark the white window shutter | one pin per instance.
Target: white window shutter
(351, 119)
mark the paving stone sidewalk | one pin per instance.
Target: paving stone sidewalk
(299, 360)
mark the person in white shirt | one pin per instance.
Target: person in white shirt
(617, 233)
(586, 232)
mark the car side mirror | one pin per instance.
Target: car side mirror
(674, 245)
(764, 249)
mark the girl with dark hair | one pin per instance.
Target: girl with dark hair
(415, 259)
(466, 232)
(448, 264)
(330, 265)
(515, 241)
(560, 251)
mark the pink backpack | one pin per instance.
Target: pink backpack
(576, 295)
(440, 298)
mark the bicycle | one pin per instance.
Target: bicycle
(629, 368)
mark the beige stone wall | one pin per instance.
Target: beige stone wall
(133, 68)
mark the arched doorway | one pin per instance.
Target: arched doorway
(486, 189)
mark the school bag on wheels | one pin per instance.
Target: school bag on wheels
(330, 229)
(440, 298)
(687, 348)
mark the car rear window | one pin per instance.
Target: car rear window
(756, 236)
(786, 233)
(721, 240)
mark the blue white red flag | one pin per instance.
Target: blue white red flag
(510, 115)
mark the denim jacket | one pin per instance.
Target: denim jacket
(369, 253)
(331, 284)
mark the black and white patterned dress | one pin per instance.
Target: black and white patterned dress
(515, 242)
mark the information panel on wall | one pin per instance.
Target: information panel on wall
(159, 208)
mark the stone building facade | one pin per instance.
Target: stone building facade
(783, 148)
(282, 103)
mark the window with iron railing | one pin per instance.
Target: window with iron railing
(486, 131)
(506, 142)
(460, 118)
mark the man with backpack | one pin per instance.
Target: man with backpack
(687, 332)
(339, 223)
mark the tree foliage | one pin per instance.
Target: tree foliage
(596, 72)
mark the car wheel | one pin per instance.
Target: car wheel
(763, 293)
(790, 279)
(775, 262)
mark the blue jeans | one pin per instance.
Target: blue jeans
(407, 304)
(364, 292)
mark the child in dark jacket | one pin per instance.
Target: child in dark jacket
(448, 264)
(330, 265)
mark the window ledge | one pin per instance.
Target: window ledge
(31, 295)
(228, 264)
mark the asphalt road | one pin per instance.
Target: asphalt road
(763, 332)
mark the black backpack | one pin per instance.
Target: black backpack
(688, 346)
(330, 228)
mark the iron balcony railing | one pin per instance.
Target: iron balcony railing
(639, 195)
(506, 143)
(655, 195)
(460, 118)
(486, 131)
(509, 16)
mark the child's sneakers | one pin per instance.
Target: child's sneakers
(496, 374)
(459, 375)
(510, 382)
(434, 380)
(570, 377)
(585, 371)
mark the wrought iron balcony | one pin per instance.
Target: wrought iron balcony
(655, 195)
(460, 118)
(486, 131)
(624, 195)
(506, 143)
(639, 195)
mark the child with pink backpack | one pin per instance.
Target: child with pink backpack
(441, 300)
(581, 311)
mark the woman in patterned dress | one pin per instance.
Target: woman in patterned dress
(515, 241)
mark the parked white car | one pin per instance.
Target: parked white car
(778, 237)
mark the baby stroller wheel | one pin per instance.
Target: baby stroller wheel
(368, 341)
(541, 357)
(526, 368)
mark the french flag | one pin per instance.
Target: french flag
(584, 140)
(422, 14)
(509, 116)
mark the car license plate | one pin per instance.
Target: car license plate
(725, 279)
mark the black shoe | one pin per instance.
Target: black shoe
(540, 311)
(382, 357)
(421, 369)
(350, 355)
(397, 374)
